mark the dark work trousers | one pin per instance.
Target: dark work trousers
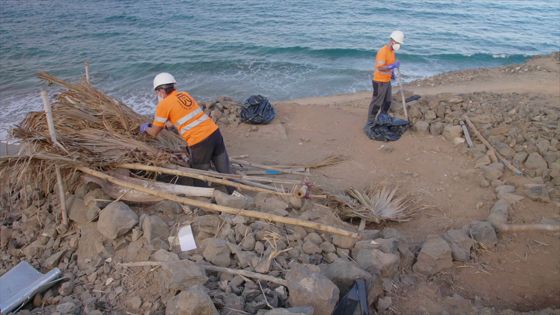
(381, 99)
(211, 149)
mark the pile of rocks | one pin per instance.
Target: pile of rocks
(522, 128)
(224, 110)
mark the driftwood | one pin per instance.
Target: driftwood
(239, 272)
(223, 209)
(491, 148)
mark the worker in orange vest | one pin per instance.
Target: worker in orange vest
(204, 140)
(385, 63)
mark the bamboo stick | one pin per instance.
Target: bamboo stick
(402, 93)
(223, 209)
(170, 188)
(491, 148)
(236, 176)
(185, 173)
(245, 273)
(293, 171)
(527, 227)
(86, 67)
(52, 132)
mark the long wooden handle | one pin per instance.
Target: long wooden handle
(223, 209)
(402, 93)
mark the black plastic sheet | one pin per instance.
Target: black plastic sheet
(257, 110)
(386, 128)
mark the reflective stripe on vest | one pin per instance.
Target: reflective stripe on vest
(160, 119)
(187, 117)
(194, 124)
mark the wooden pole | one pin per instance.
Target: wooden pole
(527, 227)
(186, 173)
(402, 93)
(223, 209)
(491, 148)
(52, 132)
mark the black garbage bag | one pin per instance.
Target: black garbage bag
(355, 301)
(386, 128)
(257, 110)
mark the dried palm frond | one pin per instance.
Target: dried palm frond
(328, 161)
(378, 204)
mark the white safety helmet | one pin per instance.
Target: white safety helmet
(398, 37)
(163, 78)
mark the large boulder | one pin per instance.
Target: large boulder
(192, 301)
(116, 219)
(307, 287)
(434, 256)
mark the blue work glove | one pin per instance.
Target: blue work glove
(394, 65)
(144, 127)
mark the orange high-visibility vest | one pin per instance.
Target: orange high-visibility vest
(385, 56)
(183, 111)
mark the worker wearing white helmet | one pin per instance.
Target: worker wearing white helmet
(385, 63)
(204, 140)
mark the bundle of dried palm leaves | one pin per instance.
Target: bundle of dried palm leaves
(377, 204)
(93, 129)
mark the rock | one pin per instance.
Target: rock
(116, 219)
(537, 192)
(310, 248)
(78, 210)
(482, 161)
(460, 244)
(248, 242)
(66, 308)
(216, 251)
(434, 256)
(436, 128)
(66, 288)
(543, 146)
(206, 226)
(505, 189)
(181, 275)
(164, 256)
(308, 287)
(384, 303)
(155, 231)
(493, 171)
(451, 132)
(458, 140)
(90, 245)
(343, 241)
(327, 247)
(302, 310)
(97, 198)
(271, 204)
(421, 126)
(167, 207)
(5, 234)
(134, 302)
(374, 260)
(223, 199)
(343, 273)
(519, 157)
(536, 162)
(499, 213)
(484, 233)
(53, 259)
(510, 198)
(192, 301)
(504, 149)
